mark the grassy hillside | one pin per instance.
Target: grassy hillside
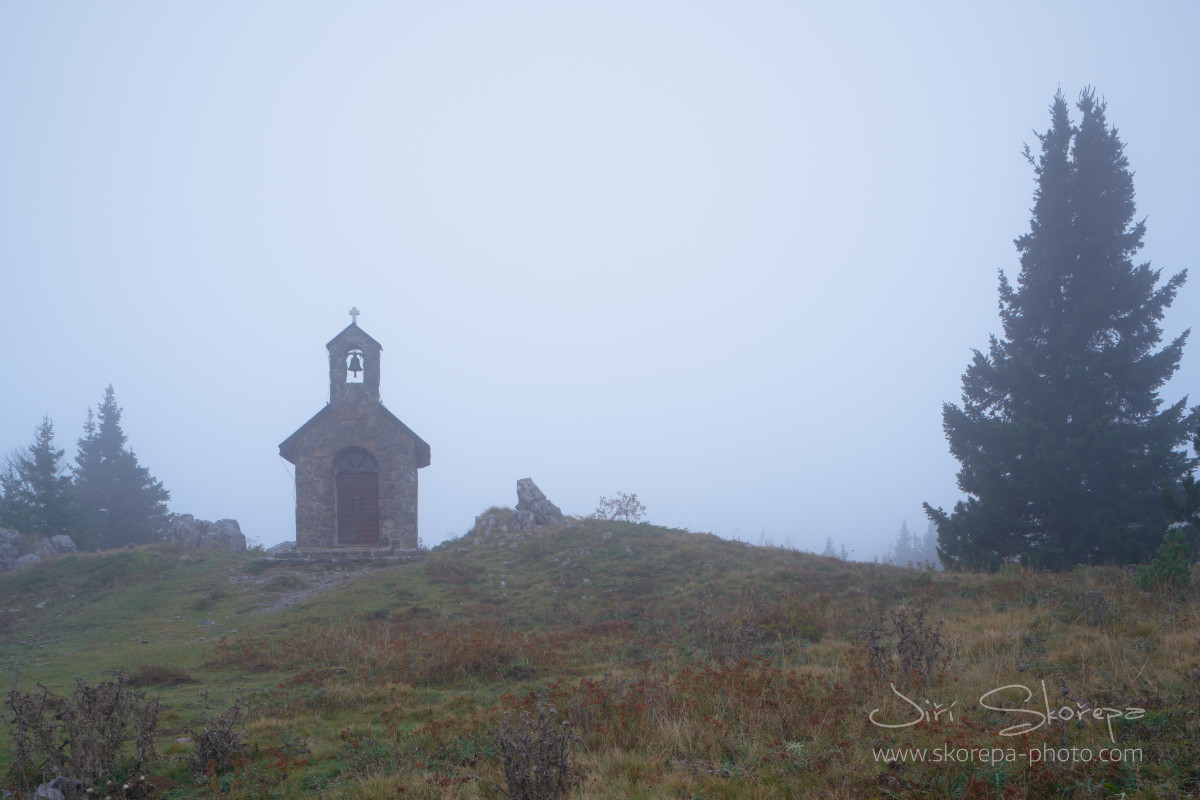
(688, 667)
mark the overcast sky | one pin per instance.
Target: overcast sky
(732, 256)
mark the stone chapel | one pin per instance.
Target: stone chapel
(356, 462)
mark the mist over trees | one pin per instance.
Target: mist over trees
(1063, 443)
(911, 550)
(36, 494)
(834, 552)
(122, 502)
(108, 499)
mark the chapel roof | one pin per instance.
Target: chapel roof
(287, 448)
(352, 331)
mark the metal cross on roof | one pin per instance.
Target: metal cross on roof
(354, 312)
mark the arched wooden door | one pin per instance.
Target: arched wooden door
(357, 499)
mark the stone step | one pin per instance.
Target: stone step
(342, 556)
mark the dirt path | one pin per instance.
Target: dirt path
(283, 586)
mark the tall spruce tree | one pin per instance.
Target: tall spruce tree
(903, 551)
(36, 496)
(929, 553)
(122, 502)
(1063, 444)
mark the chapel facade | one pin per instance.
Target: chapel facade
(356, 462)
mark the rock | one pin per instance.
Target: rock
(13, 545)
(533, 509)
(27, 561)
(68, 786)
(231, 533)
(62, 544)
(606, 535)
(48, 792)
(282, 547)
(197, 534)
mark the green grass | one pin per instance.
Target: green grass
(398, 680)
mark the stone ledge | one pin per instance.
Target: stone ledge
(364, 556)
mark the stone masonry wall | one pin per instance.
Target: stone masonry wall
(356, 424)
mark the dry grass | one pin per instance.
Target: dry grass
(702, 668)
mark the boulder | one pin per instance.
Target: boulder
(197, 534)
(62, 544)
(533, 509)
(48, 792)
(282, 547)
(60, 787)
(23, 551)
(27, 561)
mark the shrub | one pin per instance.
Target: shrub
(219, 740)
(620, 506)
(1096, 606)
(1171, 568)
(83, 735)
(158, 675)
(535, 754)
(920, 649)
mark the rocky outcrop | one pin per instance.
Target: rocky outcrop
(224, 535)
(17, 551)
(57, 545)
(494, 519)
(533, 509)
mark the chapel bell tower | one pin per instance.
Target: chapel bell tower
(353, 365)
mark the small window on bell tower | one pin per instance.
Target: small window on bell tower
(354, 366)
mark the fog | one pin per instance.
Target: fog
(732, 257)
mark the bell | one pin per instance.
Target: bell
(355, 364)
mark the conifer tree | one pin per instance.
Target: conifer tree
(1063, 444)
(36, 496)
(903, 551)
(929, 553)
(123, 504)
